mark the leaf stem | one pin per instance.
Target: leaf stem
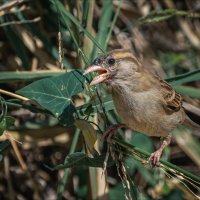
(14, 95)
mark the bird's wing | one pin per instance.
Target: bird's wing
(172, 101)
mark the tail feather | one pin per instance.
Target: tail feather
(192, 125)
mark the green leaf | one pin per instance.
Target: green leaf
(95, 106)
(67, 117)
(79, 159)
(189, 91)
(5, 123)
(176, 194)
(9, 121)
(113, 23)
(54, 94)
(142, 141)
(67, 15)
(4, 145)
(2, 126)
(117, 191)
(26, 76)
(103, 26)
(184, 78)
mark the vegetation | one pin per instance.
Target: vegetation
(51, 120)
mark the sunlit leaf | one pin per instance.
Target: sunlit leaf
(54, 94)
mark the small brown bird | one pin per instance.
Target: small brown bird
(144, 102)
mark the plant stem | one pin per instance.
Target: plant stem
(113, 24)
(145, 154)
(63, 182)
(14, 95)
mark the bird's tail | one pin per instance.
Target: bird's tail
(192, 125)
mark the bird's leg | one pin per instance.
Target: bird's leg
(154, 159)
(112, 130)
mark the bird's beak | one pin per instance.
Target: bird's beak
(104, 74)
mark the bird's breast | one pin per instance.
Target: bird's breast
(141, 111)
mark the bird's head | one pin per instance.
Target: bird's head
(114, 67)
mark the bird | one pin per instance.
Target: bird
(145, 102)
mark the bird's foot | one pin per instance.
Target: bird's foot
(154, 159)
(112, 130)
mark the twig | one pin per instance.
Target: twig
(17, 152)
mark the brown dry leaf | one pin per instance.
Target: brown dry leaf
(89, 134)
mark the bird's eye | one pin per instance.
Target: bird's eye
(97, 61)
(111, 61)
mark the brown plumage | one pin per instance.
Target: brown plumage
(145, 102)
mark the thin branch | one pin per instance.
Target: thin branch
(17, 152)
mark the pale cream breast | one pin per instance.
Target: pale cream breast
(143, 112)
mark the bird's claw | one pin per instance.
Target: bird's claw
(154, 159)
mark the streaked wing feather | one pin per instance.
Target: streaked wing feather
(172, 100)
